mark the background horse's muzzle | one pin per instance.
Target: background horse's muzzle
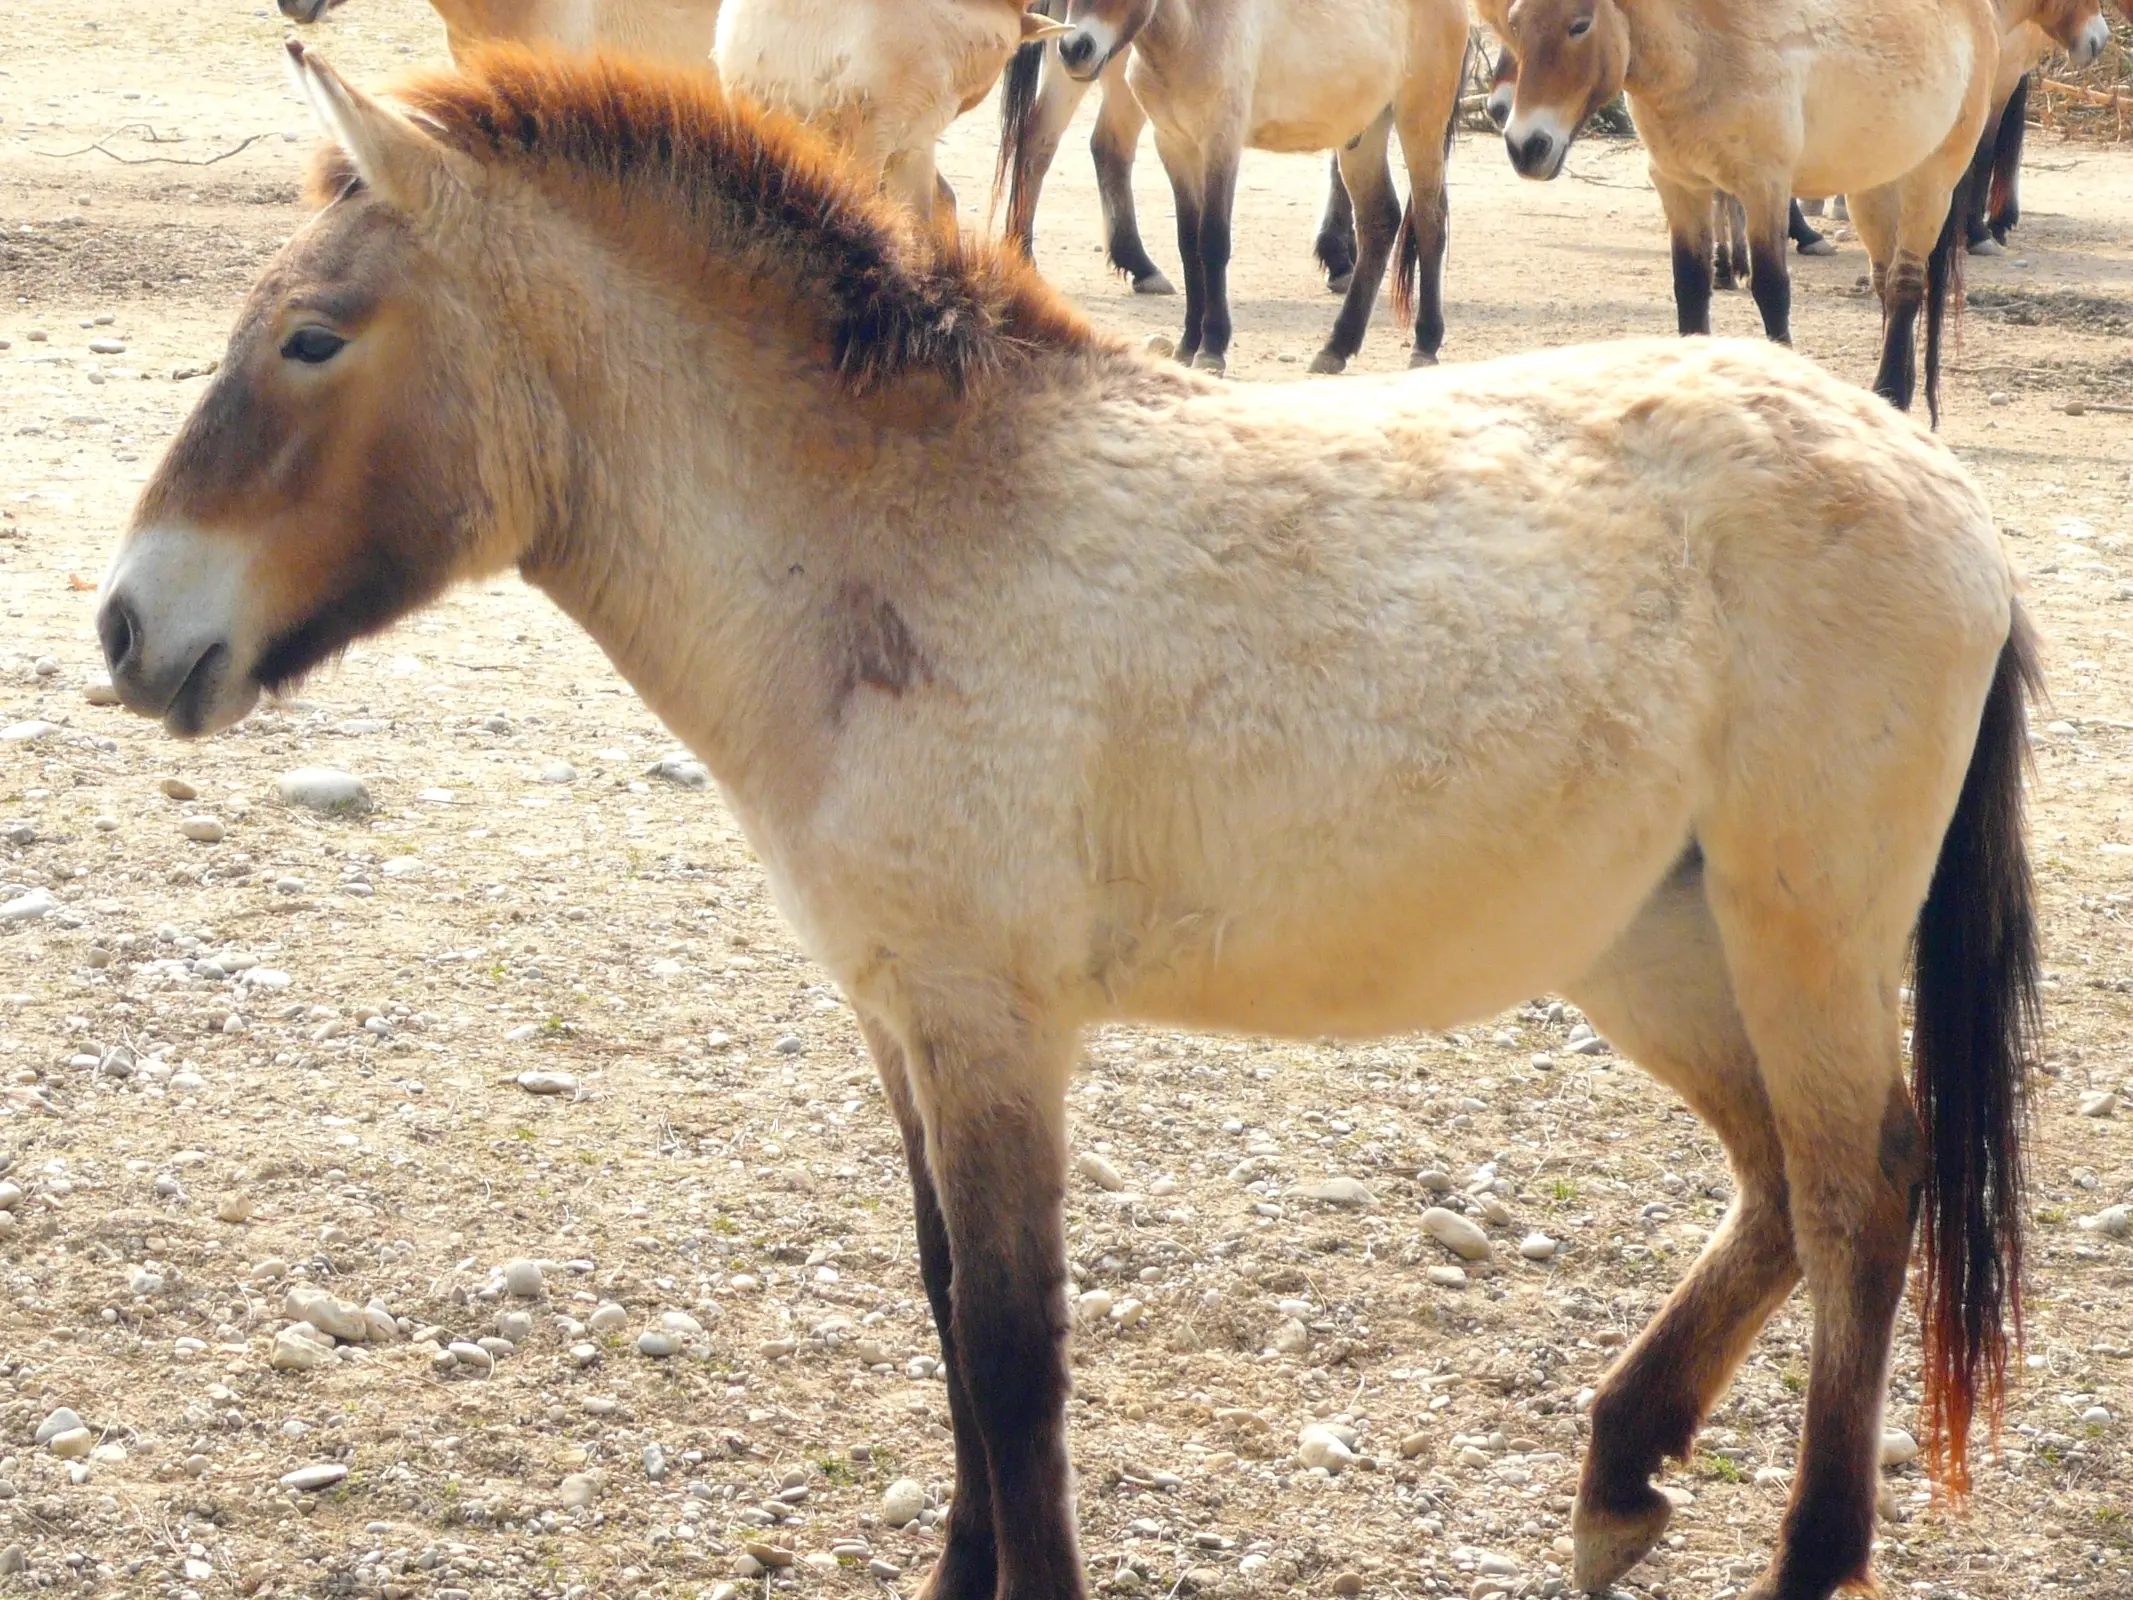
(1081, 56)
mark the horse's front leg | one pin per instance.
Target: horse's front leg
(1688, 207)
(991, 1094)
(968, 1567)
(1119, 121)
(1181, 161)
(1218, 200)
(1769, 212)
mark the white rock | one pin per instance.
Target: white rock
(659, 1343)
(902, 1501)
(2097, 1416)
(1457, 1234)
(548, 1083)
(559, 772)
(343, 1319)
(1093, 1305)
(2117, 1221)
(680, 1322)
(1336, 1192)
(2099, 1103)
(1291, 1337)
(680, 768)
(203, 830)
(581, 1489)
(471, 1355)
(522, 1279)
(1538, 1247)
(61, 1419)
(323, 789)
(1448, 1277)
(1099, 1171)
(29, 907)
(1322, 1446)
(1898, 1448)
(319, 1475)
(607, 1318)
(1128, 1312)
(71, 1445)
(24, 732)
(298, 1349)
(99, 691)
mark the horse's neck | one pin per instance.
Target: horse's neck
(1662, 48)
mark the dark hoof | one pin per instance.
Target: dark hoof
(1421, 358)
(1723, 282)
(1987, 246)
(1153, 283)
(1606, 1544)
(1328, 362)
(1339, 281)
(1208, 361)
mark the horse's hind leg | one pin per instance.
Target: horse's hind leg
(2003, 190)
(1688, 218)
(1769, 277)
(992, 1098)
(1336, 244)
(1182, 162)
(1662, 995)
(1210, 251)
(1364, 173)
(1119, 121)
(968, 1564)
(1424, 114)
(1815, 948)
(1729, 249)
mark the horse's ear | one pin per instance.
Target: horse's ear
(1035, 27)
(399, 162)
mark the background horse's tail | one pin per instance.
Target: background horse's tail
(1407, 268)
(2000, 211)
(1018, 108)
(1975, 1016)
(1944, 281)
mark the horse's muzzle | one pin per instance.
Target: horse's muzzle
(1538, 155)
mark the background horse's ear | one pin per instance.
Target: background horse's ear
(1036, 26)
(399, 162)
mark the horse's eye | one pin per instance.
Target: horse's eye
(312, 345)
(1580, 26)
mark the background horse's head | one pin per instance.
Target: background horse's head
(1571, 59)
(2077, 26)
(1099, 30)
(307, 10)
(328, 480)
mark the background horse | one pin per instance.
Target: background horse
(1995, 195)
(1678, 677)
(665, 30)
(1216, 76)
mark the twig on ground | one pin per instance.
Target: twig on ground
(148, 135)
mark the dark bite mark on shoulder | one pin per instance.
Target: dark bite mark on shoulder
(875, 649)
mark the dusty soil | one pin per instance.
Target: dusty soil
(725, 1153)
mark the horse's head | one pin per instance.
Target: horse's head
(1572, 56)
(307, 11)
(332, 477)
(2076, 26)
(1098, 30)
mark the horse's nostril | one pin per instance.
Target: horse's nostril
(1077, 50)
(118, 631)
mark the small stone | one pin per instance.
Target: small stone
(584, 1354)
(14, 1559)
(107, 347)
(1772, 1478)
(2099, 1103)
(61, 1419)
(1448, 1277)
(1291, 1337)
(1413, 1445)
(342, 1319)
(71, 1445)
(902, 1501)
(608, 1318)
(881, 1571)
(559, 772)
(548, 1083)
(324, 789)
(236, 1208)
(515, 1326)
(1336, 1192)
(1348, 1583)
(1324, 1446)
(203, 830)
(522, 1279)
(1457, 1234)
(2116, 1221)
(471, 1355)
(296, 1350)
(1538, 1247)
(659, 1343)
(1093, 1305)
(2097, 1416)
(99, 691)
(1898, 1448)
(1099, 1171)
(655, 1462)
(319, 1475)
(682, 769)
(772, 1556)
(29, 907)
(581, 1489)
(1998, 397)
(177, 789)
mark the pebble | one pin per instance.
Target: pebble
(14, 1559)
(107, 347)
(658, 1342)
(296, 1350)
(522, 1279)
(2097, 1416)
(61, 1419)
(680, 768)
(100, 691)
(878, 1569)
(467, 1354)
(2099, 1103)
(1898, 1448)
(1291, 1337)
(323, 789)
(902, 1501)
(177, 789)
(1323, 1445)
(1448, 1277)
(342, 1319)
(29, 907)
(1457, 1234)
(1099, 1171)
(235, 1208)
(2117, 1221)
(581, 1489)
(548, 1083)
(72, 1444)
(25, 732)
(655, 1462)
(516, 1326)
(1348, 1583)
(1336, 1192)
(1093, 1305)
(559, 772)
(203, 830)
(607, 1318)
(1538, 1247)
(319, 1475)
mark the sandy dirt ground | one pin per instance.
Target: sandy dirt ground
(239, 1075)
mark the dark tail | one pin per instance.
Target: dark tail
(1018, 105)
(1407, 262)
(2000, 205)
(1944, 287)
(1975, 1018)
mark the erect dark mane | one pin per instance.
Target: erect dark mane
(761, 193)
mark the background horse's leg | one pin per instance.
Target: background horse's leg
(1362, 171)
(1804, 238)
(2003, 195)
(1688, 217)
(1769, 277)
(994, 1108)
(1218, 199)
(1119, 120)
(1424, 112)
(1027, 154)
(1336, 244)
(1729, 244)
(1817, 981)
(1182, 162)
(967, 1568)
(1661, 995)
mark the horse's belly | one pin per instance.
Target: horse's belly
(1319, 92)
(1862, 134)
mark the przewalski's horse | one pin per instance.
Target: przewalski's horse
(1039, 98)
(1053, 684)
(1218, 76)
(883, 78)
(666, 30)
(1995, 203)
(1766, 101)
